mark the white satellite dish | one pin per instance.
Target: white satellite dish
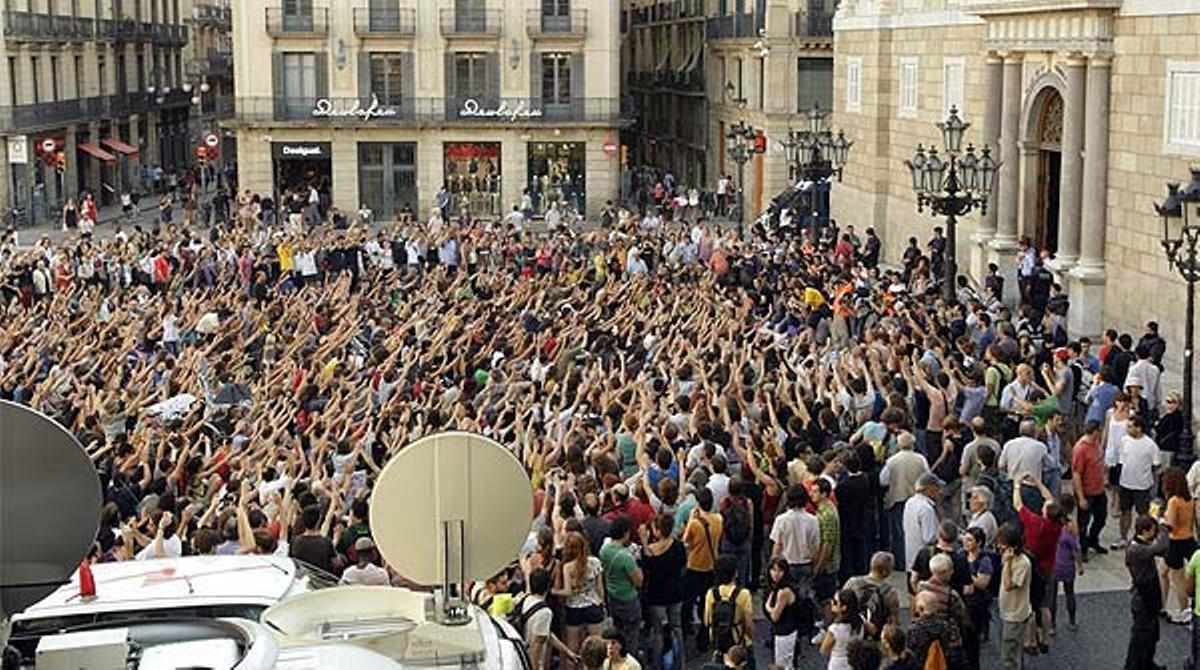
(451, 507)
(47, 482)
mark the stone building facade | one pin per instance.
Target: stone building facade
(1092, 105)
(90, 93)
(698, 67)
(383, 102)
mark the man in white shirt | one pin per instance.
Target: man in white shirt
(920, 517)
(796, 534)
(536, 618)
(1140, 460)
(1026, 455)
(166, 542)
(365, 572)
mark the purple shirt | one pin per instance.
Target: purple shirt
(1064, 560)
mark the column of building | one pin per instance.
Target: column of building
(1004, 241)
(991, 138)
(1087, 287)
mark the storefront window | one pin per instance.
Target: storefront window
(473, 177)
(557, 175)
(387, 177)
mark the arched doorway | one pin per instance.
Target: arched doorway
(1049, 129)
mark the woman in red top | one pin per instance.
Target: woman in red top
(1041, 541)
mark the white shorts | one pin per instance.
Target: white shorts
(785, 650)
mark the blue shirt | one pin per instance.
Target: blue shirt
(1100, 399)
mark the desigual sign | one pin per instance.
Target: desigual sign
(325, 109)
(301, 149)
(510, 112)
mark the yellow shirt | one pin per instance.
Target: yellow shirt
(286, 262)
(702, 549)
(744, 632)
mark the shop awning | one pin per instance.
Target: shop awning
(120, 147)
(96, 152)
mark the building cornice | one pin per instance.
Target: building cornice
(904, 20)
(995, 7)
(1159, 7)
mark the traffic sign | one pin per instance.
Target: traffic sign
(49, 145)
(212, 140)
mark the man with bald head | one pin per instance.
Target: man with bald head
(1018, 398)
(1026, 455)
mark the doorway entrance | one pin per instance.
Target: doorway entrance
(1049, 175)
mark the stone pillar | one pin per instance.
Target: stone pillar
(94, 176)
(1071, 191)
(135, 164)
(71, 175)
(1009, 206)
(991, 138)
(152, 129)
(1010, 174)
(1086, 316)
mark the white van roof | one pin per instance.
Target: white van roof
(166, 583)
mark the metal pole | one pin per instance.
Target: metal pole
(1185, 437)
(951, 269)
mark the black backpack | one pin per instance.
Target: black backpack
(724, 620)
(736, 523)
(1002, 497)
(519, 617)
(874, 603)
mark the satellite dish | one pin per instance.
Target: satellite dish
(49, 506)
(451, 507)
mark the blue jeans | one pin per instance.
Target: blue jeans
(627, 618)
(895, 518)
(742, 553)
(663, 616)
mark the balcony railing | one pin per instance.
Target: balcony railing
(471, 22)
(220, 16)
(733, 26)
(812, 24)
(28, 25)
(281, 23)
(539, 24)
(687, 82)
(80, 110)
(360, 112)
(399, 22)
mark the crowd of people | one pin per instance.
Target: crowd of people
(720, 430)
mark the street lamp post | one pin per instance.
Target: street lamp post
(815, 155)
(740, 144)
(1180, 214)
(952, 187)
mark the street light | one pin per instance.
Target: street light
(1180, 214)
(815, 155)
(952, 187)
(741, 144)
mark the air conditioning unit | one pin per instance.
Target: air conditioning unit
(90, 650)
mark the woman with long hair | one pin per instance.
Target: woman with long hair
(782, 607)
(582, 591)
(1181, 518)
(847, 625)
(663, 561)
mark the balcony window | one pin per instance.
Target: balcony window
(470, 16)
(556, 15)
(471, 77)
(556, 79)
(298, 16)
(299, 79)
(387, 75)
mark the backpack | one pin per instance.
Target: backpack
(1002, 496)
(736, 523)
(874, 602)
(519, 617)
(724, 620)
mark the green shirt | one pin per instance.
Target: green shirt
(618, 567)
(827, 521)
(1193, 571)
(683, 512)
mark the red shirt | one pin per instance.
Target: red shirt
(1041, 539)
(1088, 461)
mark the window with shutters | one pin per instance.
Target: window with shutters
(470, 76)
(814, 79)
(907, 107)
(298, 77)
(556, 78)
(953, 85)
(1182, 127)
(854, 84)
(387, 72)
